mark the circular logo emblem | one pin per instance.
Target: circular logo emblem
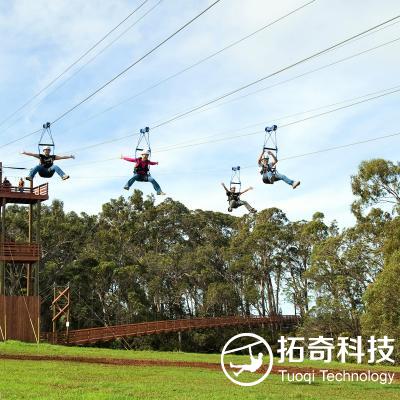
(257, 348)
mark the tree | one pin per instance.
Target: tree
(266, 242)
(304, 236)
(377, 182)
(382, 315)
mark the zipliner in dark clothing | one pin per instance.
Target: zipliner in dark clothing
(235, 201)
(46, 168)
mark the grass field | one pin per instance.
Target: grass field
(14, 347)
(72, 380)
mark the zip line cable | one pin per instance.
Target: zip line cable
(327, 149)
(117, 76)
(258, 132)
(73, 64)
(101, 51)
(288, 124)
(130, 135)
(270, 121)
(284, 125)
(213, 107)
(214, 100)
(176, 74)
(369, 32)
(355, 101)
(341, 146)
(134, 63)
(229, 101)
(20, 138)
(219, 52)
(86, 63)
(135, 134)
(299, 76)
(246, 95)
(89, 61)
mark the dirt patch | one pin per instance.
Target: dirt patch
(167, 363)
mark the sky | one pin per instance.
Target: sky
(41, 39)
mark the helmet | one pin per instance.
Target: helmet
(47, 148)
(145, 152)
(266, 156)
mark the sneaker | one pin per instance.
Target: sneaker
(65, 177)
(295, 184)
(28, 178)
(230, 209)
(126, 187)
(253, 210)
(161, 193)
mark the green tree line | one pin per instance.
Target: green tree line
(136, 261)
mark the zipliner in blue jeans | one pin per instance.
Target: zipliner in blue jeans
(277, 177)
(46, 172)
(269, 172)
(143, 178)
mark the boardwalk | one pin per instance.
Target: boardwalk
(92, 335)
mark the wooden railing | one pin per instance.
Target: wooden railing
(91, 335)
(41, 190)
(19, 252)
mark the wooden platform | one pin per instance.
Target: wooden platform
(19, 252)
(19, 318)
(13, 194)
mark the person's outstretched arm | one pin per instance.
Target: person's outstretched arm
(223, 185)
(27, 153)
(274, 159)
(246, 190)
(261, 157)
(128, 159)
(153, 162)
(64, 157)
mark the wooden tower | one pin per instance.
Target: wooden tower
(19, 265)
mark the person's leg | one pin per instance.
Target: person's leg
(238, 203)
(131, 181)
(34, 171)
(284, 178)
(247, 205)
(268, 178)
(156, 186)
(56, 168)
(232, 205)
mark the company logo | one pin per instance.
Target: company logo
(260, 359)
(246, 370)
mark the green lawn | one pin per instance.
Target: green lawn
(72, 380)
(56, 380)
(14, 347)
